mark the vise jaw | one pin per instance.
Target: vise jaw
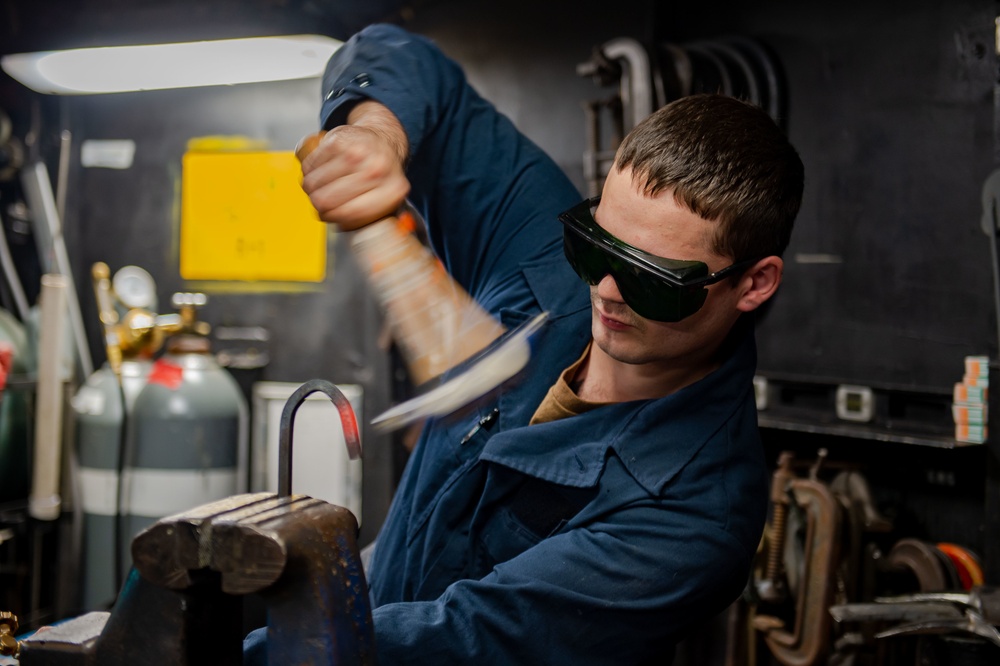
(182, 601)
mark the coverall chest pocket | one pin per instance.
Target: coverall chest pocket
(534, 510)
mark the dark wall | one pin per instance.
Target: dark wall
(888, 279)
(891, 108)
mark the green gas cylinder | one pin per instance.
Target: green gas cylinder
(188, 436)
(14, 410)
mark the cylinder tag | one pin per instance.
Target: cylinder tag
(166, 374)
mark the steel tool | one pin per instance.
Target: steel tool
(976, 612)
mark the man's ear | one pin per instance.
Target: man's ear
(760, 283)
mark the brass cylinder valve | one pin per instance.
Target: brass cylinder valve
(9, 647)
(187, 305)
(132, 335)
(139, 332)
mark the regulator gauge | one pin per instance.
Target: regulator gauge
(135, 288)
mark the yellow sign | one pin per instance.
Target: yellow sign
(245, 217)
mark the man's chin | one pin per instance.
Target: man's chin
(617, 345)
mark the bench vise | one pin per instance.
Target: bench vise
(182, 601)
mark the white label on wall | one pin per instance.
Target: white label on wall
(108, 154)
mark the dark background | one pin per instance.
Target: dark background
(891, 107)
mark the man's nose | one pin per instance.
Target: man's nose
(607, 289)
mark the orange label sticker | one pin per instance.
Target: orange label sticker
(166, 374)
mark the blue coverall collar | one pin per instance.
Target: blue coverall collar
(683, 421)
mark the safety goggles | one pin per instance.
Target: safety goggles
(654, 287)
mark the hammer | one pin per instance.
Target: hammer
(436, 323)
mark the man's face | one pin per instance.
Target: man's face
(660, 226)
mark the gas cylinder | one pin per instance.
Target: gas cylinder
(100, 419)
(14, 411)
(188, 436)
(101, 407)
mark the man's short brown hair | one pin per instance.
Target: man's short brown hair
(725, 160)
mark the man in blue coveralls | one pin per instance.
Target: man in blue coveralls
(616, 493)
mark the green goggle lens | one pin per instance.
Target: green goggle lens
(646, 294)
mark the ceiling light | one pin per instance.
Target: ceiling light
(183, 65)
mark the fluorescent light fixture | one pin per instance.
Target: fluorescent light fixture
(183, 65)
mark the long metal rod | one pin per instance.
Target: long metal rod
(55, 259)
(13, 280)
(62, 179)
(347, 420)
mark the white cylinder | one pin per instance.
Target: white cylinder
(44, 502)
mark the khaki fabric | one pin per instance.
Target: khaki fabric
(561, 400)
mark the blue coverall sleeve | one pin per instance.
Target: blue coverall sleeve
(489, 195)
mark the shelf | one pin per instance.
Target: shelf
(861, 431)
(897, 415)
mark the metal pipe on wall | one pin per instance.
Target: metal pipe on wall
(636, 80)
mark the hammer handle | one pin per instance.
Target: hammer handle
(307, 144)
